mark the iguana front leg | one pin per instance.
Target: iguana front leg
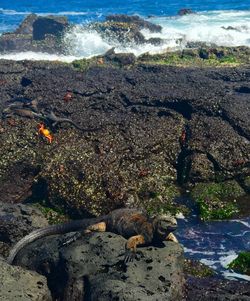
(172, 237)
(131, 247)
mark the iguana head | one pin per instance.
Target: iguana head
(163, 225)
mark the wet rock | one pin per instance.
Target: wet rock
(198, 44)
(19, 284)
(197, 269)
(185, 11)
(26, 27)
(213, 289)
(126, 29)
(17, 220)
(246, 183)
(202, 168)
(216, 138)
(230, 28)
(36, 33)
(121, 32)
(155, 41)
(122, 59)
(18, 181)
(93, 266)
(13, 42)
(136, 20)
(50, 25)
(238, 116)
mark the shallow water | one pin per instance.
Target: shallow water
(215, 243)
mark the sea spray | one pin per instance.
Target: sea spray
(223, 28)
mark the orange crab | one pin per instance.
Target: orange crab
(45, 132)
(68, 96)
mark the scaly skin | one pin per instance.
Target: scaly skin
(55, 120)
(133, 224)
(49, 117)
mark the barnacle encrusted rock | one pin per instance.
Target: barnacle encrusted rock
(155, 125)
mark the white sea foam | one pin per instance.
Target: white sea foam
(83, 42)
(208, 27)
(210, 263)
(37, 56)
(225, 260)
(236, 276)
(62, 13)
(177, 31)
(73, 13)
(13, 12)
(240, 234)
(247, 224)
(191, 251)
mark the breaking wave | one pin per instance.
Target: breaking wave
(223, 28)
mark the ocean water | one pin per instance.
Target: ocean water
(215, 243)
(207, 25)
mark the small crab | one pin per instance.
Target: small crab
(45, 132)
(68, 96)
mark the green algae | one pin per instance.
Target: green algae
(241, 264)
(217, 200)
(200, 57)
(51, 214)
(157, 195)
(81, 64)
(197, 269)
(193, 57)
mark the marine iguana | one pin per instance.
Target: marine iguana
(133, 224)
(49, 117)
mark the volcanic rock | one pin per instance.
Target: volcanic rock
(19, 284)
(36, 33)
(93, 266)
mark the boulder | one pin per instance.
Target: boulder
(17, 283)
(26, 27)
(17, 220)
(36, 33)
(93, 266)
(122, 59)
(49, 25)
(126, 29)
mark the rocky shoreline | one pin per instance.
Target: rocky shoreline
(139, 132)
(150, 129)
(92, 268)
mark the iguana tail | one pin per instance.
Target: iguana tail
(51, 230)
